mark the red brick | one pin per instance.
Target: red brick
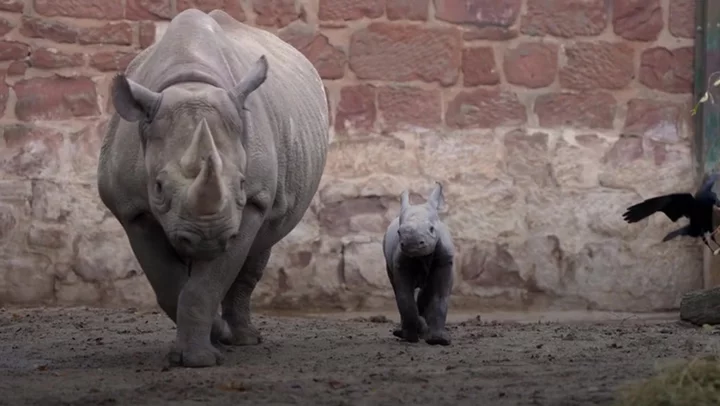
(148, 10)
(407, 9)
(490, 33)
(17, 68)
(107, 61)
(232, 7)
(667, 70)
(87, 143)
(594, 110)
(112, 33)
(637, 20)
(406, 107)
(55, 98)
(50, 58)
(103, 10)
(478, 67)
(564, 18)
(15, 6)
(350, 9)
(480, 12)
(626, 149)
(48, 29)
(402, 52)
(275, 12)
(13, 51)
(598, 64)
(485, 108)
(30, 151)
(147, 34)
(4, 93)
(5, 26)
(356, 109)
(658, 120)
(532, 65)
(682, 18)
(328, 60)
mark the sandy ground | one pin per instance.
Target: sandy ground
(117, 357)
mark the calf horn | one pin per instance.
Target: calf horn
(206, 194)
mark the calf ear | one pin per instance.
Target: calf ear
(404, 200)
(133, 101)
(250, 82)
(436, 199)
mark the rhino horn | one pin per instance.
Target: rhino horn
(206, 194)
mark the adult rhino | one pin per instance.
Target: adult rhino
(215, 151)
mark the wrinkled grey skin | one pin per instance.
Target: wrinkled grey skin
(419, 253)
(214, 155)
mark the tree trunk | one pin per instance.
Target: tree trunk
(701, 307)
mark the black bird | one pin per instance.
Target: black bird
(698, 208)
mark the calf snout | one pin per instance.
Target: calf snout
(415, 248)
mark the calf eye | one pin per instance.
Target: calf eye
(432, 229)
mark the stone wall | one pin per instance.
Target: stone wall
(543, 118)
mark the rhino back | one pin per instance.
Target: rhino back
(289, 114)
(291, 107)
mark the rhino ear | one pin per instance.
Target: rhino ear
(133, 101)
(436, 198)
(250, 82)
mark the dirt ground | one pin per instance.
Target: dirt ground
(117, 357)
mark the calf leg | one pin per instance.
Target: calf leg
(405, 299)
(236, 304)
(438, 295)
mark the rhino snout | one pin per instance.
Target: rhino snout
(416, 248)
(194, 245)
(185, 242)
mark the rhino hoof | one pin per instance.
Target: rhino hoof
(195, 358)
(438, 338)
(407, 335)
(220, 332)
(246, 336)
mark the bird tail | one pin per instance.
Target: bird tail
(680, 231)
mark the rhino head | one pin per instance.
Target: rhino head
(194, 158)
(417, 223)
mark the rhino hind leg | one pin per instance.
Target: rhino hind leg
(164, 270)
(236, 304)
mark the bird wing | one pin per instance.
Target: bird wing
(705, 191)
(674, 206)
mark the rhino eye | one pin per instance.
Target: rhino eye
(158, 187)
(432, 229)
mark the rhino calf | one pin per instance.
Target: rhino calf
(419, 253)
(213, 155)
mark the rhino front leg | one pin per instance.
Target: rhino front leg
(435, 297)
(165, 271)
(410, 323)
(201, 296)
(236, 304)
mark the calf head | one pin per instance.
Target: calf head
(417, 234)
(194, 158)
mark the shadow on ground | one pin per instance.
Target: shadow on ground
(117, 357)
